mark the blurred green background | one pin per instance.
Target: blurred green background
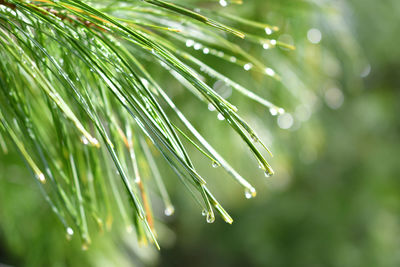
(335, 198)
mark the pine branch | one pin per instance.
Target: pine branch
(79, 104)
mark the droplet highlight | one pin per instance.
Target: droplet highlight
(273, 111)
(70, 233)
(169, 210)
(269, 72)
(40, 177)
(248, 66)
(211, 107)
(189, 43)
(216, 164)
(250, 192)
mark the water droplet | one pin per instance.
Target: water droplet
(266, 46)
(268, 31)
(269, 173)
(204, 212)
(269, 71)
(40, 177)
(250, 192)
(189, 43)
(84, 140)
(220, 117)
(169, 210)
(210, 217)
(233, 59)
(93, 141)
(247, 66)
(223, 3)
(211, 107)
(216, 164)
(206, 50)
(137, 179)
(273, 111)
(272, 42)
(70, 233)
(197, 46)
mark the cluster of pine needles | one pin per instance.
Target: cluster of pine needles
(79, 104)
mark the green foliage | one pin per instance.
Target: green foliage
(334, 200)
(90, 119)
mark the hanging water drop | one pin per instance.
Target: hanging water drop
(220, 117)
(211, 107)
(273, 111)
(189, 43)
(247, 66)
(266, 46)
(268, 173)
(269, 71)
(268, 31)
(169, 210)
(250, 192)
(70, 233)
(216, 164)
(137, 179)
(197, 46)
(223, 3)
(40, 177)
(84, 140)
(210, 217)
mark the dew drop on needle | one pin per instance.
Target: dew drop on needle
(169, 210)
